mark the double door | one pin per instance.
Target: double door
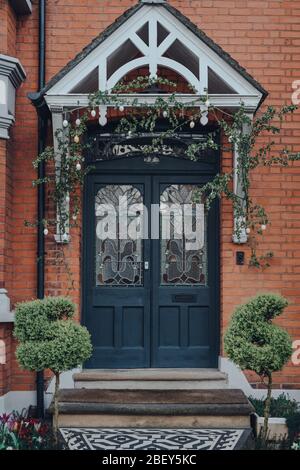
(150, 272)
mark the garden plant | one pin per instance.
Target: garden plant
(50, 339)
(254, 342)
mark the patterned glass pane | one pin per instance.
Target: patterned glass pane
(183, 224)
(119, 252)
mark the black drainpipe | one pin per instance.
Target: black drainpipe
(42, 132)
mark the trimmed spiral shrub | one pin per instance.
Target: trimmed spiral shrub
(254, 342)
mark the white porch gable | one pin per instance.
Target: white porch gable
(154, 34)
(151, 34)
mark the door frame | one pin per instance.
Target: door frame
(205, 173)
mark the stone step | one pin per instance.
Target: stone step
(151, 379)
(154, 408)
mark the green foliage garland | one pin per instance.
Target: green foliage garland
(139, 118)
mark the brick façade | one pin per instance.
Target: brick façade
(263, 36)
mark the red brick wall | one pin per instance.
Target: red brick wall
(7, 46)
(8, 28)
(264, 37)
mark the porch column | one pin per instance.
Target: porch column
(242, 238)
(57, 126)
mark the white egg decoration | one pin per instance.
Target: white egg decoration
(204, 120)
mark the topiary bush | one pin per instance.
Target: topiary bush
(50, 339)
(254, 342)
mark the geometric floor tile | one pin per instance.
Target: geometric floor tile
(150, 439)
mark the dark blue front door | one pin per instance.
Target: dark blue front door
(152, 301)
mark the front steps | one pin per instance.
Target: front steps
(151, 379)
(218, 408)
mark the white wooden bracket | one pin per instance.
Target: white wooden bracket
(57, 126)
(241, 237)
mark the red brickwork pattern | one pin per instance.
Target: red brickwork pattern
(264, 36)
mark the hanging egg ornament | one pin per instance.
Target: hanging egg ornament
(77, 122)
(192, 124)
(65, 123)
(46, 231)
(204, 120)
(74, 217)
(93, 113)
(76, 139)
(263, 227)
(102, 121)
(121, 108)
(78, 166)
(165, 114)
(248, 230)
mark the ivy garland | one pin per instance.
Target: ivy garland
(138, 118)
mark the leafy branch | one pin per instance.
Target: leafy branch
(242, 133)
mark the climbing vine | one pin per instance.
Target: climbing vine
(242, 135)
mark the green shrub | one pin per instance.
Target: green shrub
(253, 342)
(49, 339)
(33, 319)
(280, 407)
(293, 424)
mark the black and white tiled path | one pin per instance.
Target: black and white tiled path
(151, 439)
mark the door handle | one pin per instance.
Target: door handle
(146, 265)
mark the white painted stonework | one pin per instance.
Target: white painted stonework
(16, 401)
(6, 315)
(11, 76)
(237, 379)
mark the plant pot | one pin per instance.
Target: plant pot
(277, 428)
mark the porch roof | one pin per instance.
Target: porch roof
(38, 98)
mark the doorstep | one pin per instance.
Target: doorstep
(156, 379)
(154, 408)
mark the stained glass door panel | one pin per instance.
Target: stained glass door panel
(119, 256)
(183, 224)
